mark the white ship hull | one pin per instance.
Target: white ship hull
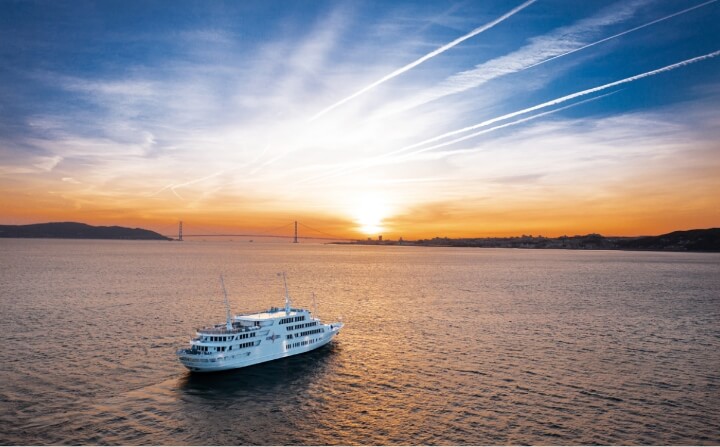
(270, 347)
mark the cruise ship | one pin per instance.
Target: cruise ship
(252, 338)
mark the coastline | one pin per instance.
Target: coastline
(700, 241)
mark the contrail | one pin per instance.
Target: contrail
(170, 185)
(565, 98)
(419, 61)
(502, 126)
(268, 162)
(380, 158)
(552, 102)
(173, 186)
(621, 34)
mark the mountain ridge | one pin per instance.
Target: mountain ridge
(77, 230)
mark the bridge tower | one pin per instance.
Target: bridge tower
(180, 232)
(295, 241)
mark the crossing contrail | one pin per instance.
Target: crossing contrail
(404, 156)
(546, 104)
(174, 186)
(565, 98)
(419, 61)
(622, 33)
(502, 126)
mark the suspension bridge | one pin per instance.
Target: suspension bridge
(288, 231)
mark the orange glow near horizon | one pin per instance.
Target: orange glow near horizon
(636, 210)
(628, 205)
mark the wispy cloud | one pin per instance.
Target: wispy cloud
(47, 163)
(118, 89)
(424, 58)
(615, 36)
(541, 49)
(618, 146)
(402, 155)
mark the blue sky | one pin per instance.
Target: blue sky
(452, 117)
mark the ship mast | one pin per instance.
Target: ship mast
(315, 315)
(287, 296)
(227, 305)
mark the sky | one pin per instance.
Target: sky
(409, 119)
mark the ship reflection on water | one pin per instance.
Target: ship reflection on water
(268, 403)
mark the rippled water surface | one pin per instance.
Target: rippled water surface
(441, 346)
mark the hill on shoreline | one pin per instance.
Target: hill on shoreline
(76, 230)
(690, 240)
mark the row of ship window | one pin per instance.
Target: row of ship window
(302, 334)
(222, 348)
(314, 331)
(300, 326)
(245, 345)
(292, 320)
(302, 343)
(228, 338)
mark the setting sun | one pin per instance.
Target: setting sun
(369, 215)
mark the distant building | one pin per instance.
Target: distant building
(380, 238)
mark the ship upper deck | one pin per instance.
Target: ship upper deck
(222, 329)
(253, 321)
(270, 314)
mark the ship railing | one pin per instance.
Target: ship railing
(225, 330)
(191, 352)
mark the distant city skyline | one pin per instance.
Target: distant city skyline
(412, 119)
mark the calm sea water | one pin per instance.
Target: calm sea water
(441, 346)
